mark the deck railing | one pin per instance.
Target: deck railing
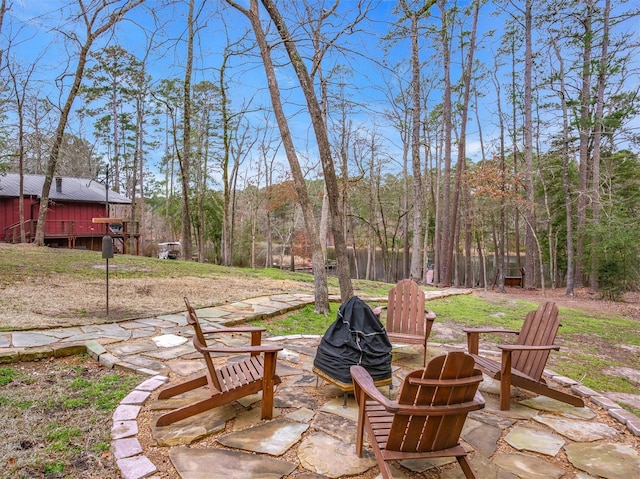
(70, 229)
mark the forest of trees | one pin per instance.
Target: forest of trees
(468, 140)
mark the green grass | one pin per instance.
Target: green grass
(585, 367)
(61, 438)
(21, 264)
(472, 311)
(302, 321)
(7, 375)
(103, 393)
(585, 336)
(55, 467)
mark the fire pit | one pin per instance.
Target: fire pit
(357, 337)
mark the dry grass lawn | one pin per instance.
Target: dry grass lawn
(62, 296)
(55, 418)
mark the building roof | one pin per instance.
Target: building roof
(71, 189)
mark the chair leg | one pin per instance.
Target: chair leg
(188, 411)
(505, 381)
(385, 470)
(466, 467)
(183, 387)
(424, 358)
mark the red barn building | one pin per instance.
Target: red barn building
(74, 204)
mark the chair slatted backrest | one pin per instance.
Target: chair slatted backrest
(540, 328)
(405, 309)
(448, 380)
(199, 341)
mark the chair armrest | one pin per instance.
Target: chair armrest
(363, 381)
(240, 329)
(489, 330)
(378, 310)
(264, 348)
(524, 347)
(429, 315)
(249, 349)
(473, 336)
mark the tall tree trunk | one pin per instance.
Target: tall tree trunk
(185, 157)
(499, 235)
(460, 182)
(584, 123)
(597, 137)
(529, 239)
(91, 18)
(416, 163)
(447, 221)
(324, 150)
(319, 270)
(514, 146)
(19, 91)
(227, 239)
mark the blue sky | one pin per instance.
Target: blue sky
(32, 22)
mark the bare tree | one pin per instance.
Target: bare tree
(530, 240)
(185, 158)
(444, 243)
(416, 246)
(584, 123)
(319, 272)
(3, 10)
(98, 18)
(324, 147)
(459, 187)
(229, 128)
(597, 137)
(19, 83)
(566, 184)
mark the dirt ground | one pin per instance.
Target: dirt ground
(46, 303)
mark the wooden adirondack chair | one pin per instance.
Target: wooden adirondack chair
(407, 319)
(231, 381)
(523, 363)
(427, 418)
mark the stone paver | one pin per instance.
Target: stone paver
(193, 428)
(126, 447)
(579, 431)
(525, 438)
(273, 437)
(136, 467)
(126, 412)
(124, 428)
(316, 426)
(529, 467)
(327, 455)
(194, 463)
(169, 340)
(610, 460)
(31, 339)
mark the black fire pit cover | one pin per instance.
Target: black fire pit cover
(356, 337)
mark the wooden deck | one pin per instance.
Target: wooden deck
(78, 234)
